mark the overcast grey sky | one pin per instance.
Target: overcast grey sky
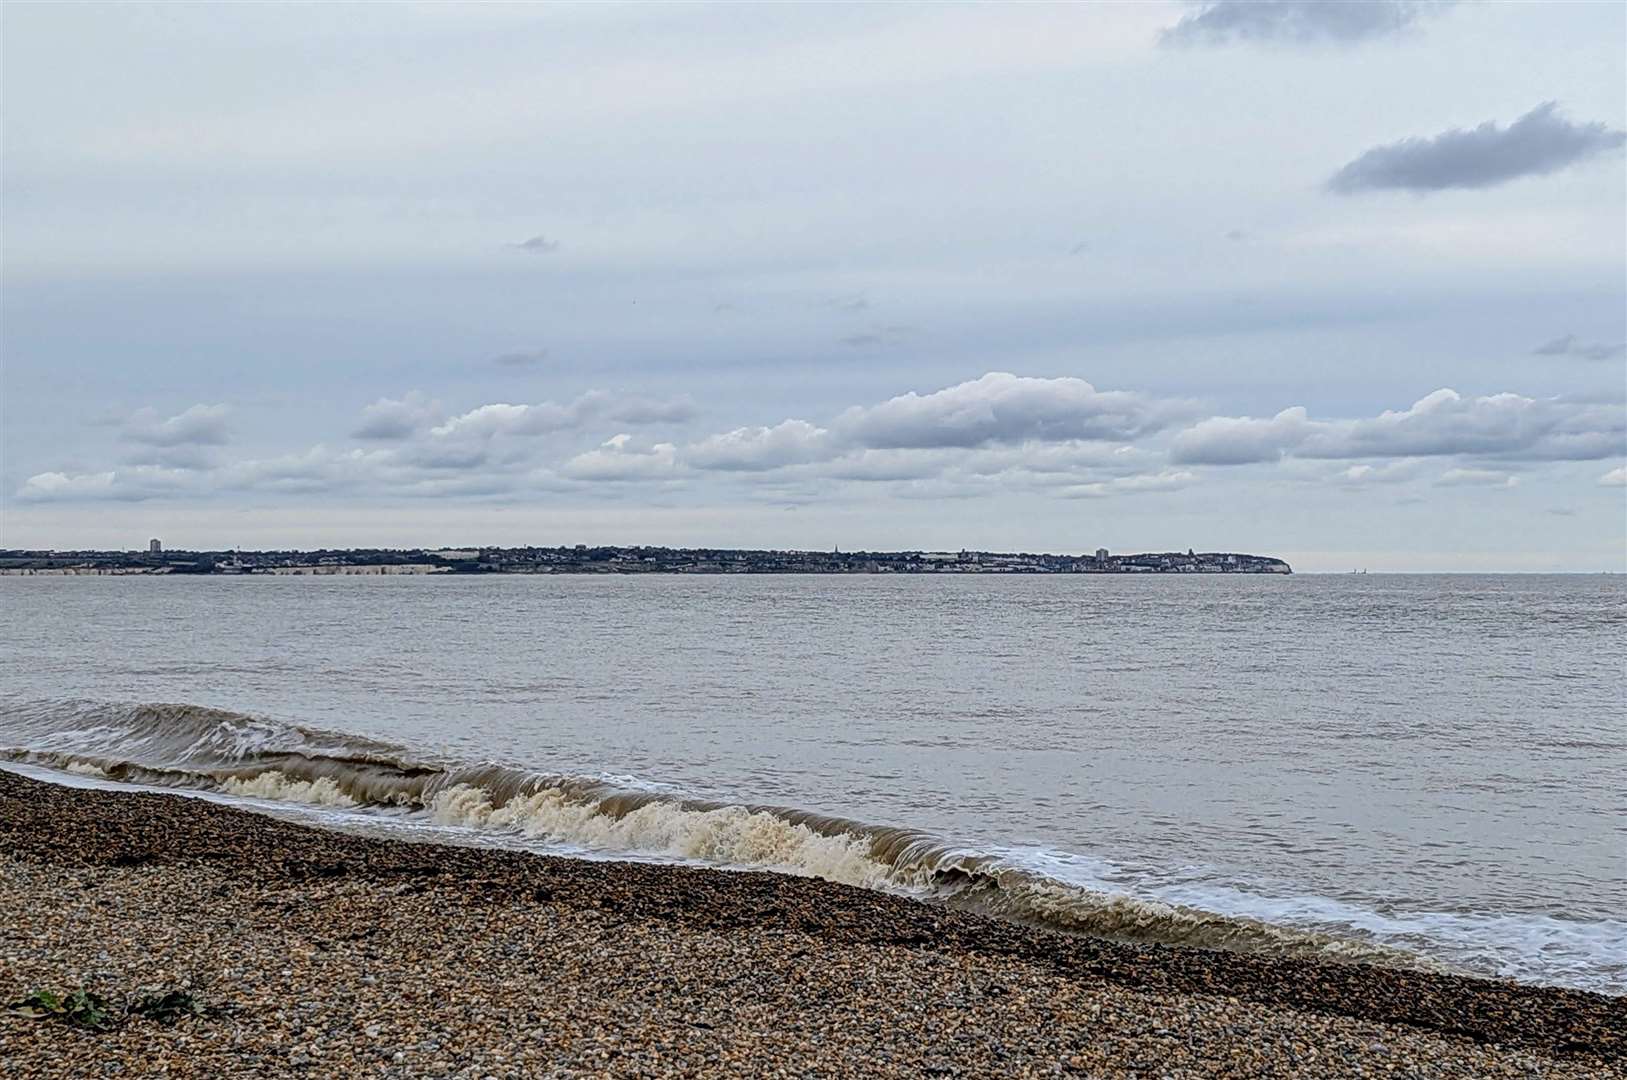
(1341, 283)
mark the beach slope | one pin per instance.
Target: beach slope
(317, 953)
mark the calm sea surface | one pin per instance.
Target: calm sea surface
(1435, 763)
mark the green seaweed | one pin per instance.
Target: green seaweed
(91, 1012)
(80, 1009)
(38, 1004)
(169, 1008)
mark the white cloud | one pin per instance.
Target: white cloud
(754, 449)
(502, 418)
(315, 469)
(997, 434)
(126, 485)
(1164, 480)
(1443, 423)
(617, 459)
(56, 485)
(1614, 478)
(1239, 440)
(1477, 478)
(1359, 476)
(809, 453)
(1005, 408)
(403, 470)
(397, 418)
(200, 425)
(1386, 472)
(1053, 431)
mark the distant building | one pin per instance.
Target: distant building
(1101, 554)
(154, 547)
(452, 554)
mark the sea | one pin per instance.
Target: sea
(1423, 771)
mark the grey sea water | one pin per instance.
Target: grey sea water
(1432, 764)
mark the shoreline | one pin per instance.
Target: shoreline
(329, 952)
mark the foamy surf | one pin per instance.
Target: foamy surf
(323, 791)
(231, 755)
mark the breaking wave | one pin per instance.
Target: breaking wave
(187, 746)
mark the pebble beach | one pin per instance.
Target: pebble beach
(304, 952)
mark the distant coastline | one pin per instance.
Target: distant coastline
(582, 559)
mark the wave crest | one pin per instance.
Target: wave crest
(249, 757)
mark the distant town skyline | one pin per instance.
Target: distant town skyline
(1345, 284)
(585, 559)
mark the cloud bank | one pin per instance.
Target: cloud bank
(1441, 424)
(1005, 408)
(1049, 436)
(547, 417)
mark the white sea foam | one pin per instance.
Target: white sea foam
(1522, 946)
(323, 791)
(738, 836)
(730, 835)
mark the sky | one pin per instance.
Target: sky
(1340, 283)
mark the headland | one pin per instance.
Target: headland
(582, 559)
